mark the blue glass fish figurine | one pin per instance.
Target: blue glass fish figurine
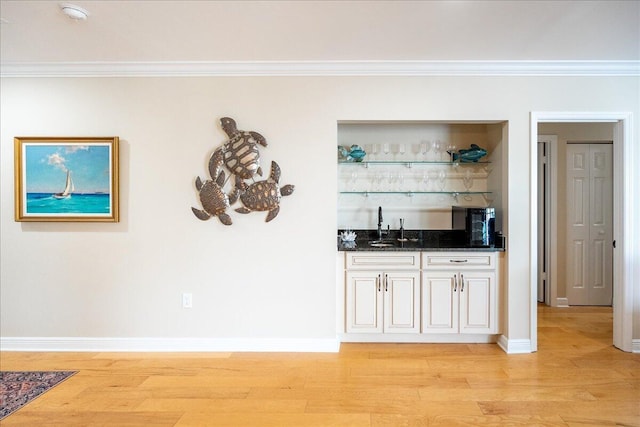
(354, 154)
(470, 155)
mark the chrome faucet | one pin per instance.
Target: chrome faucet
(379, 222)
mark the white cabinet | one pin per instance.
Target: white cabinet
(420, 297)
(382, 293)
(459, 293)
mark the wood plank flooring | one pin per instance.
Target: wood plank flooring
(577, 378)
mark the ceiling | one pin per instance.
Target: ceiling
(177, 31)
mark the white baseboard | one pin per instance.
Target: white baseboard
(562, 302)
(211, 345)
(169, 344)
(514, 346)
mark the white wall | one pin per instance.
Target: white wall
(252, 279)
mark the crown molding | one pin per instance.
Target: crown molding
(320, 68)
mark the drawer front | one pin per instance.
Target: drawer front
(382, 261)
(458, 260)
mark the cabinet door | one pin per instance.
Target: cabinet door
(364, 302)
(478, 302)
(439, 302)
(402, 302)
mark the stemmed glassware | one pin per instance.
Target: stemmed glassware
(451, 148)
(401, 150)
(442, 176)
(418, 177)
(388, 175)
(354, 179)
(386, 149)
(425, 146)
(425, 180)
(377, 179)
(467, 180)
(375, 148)
(437, 147)
(400, 180)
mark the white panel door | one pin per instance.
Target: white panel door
(439, 302)
(478, 301)
(364, 302)
(589, 224)
(402, 302)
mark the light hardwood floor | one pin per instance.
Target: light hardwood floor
(577, 378)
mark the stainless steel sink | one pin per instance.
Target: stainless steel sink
(381, 243)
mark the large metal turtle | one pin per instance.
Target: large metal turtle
(263, 195)
(215, 201)
(241, 155)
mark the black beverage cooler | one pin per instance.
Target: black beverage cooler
(479, 225)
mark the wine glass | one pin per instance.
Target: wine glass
(401, 150)
(415, 151)
(377, 180)
(400, 180)
(437, 147)
(375, 148)
(354, 179)
(390, 178)
(442, 176)
(467, 180)
(451, 148)
(425, 146)
(418, 177)
(386, 149)
(425, 180)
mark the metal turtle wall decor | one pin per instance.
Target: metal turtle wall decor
(214, 200)
(263, 195)
(241, 156)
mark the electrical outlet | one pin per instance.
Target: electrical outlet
(187, 300)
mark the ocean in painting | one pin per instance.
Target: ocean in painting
(77, 203)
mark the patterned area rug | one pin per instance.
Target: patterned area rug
(17, 388)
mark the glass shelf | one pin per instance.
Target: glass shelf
(410, 193)
(466, 195)
(410, 163)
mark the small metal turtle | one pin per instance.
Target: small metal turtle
(263, 195)
(241, 155)
(215, 201)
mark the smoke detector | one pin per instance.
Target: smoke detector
(74, 12)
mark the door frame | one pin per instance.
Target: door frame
(551, 216)
(624, 206)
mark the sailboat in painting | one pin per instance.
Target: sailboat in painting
(68, 188)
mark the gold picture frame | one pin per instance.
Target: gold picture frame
(66, 179)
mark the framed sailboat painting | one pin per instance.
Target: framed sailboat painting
(66, 179)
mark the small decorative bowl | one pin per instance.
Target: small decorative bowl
(348, 236)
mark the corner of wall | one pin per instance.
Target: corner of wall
(521, 346)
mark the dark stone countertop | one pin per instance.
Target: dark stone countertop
(416, 241)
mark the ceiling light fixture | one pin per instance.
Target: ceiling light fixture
(74, 12)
